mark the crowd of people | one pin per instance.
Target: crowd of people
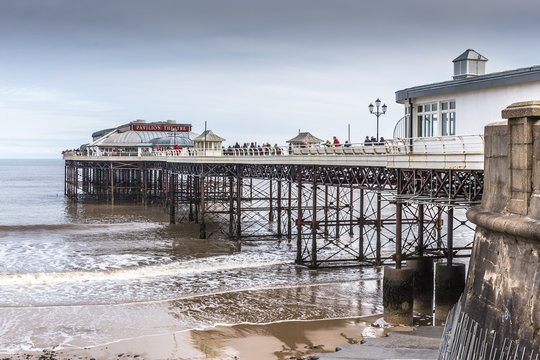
(252, 149)
(368, 141)
(373, 140)
(249, 148)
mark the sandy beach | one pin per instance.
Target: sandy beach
(280, 340)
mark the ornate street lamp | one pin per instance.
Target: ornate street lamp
(377, 112)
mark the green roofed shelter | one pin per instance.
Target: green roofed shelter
(304, 138)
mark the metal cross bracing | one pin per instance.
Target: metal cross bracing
(456, 186)
(239, 208)
(382, 227)
(437, 231)
(348, 225)
(239, 201)
(114, 180)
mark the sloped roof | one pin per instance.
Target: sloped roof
(210, 136)
(477, 82)
(127, 138)
(470, 54)
(305, 138)
(96, 135)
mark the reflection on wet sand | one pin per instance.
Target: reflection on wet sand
(279, 303)
(282, 340)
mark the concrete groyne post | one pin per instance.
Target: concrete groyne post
(398, 295)
(423, 284)
(398, 283)
(449, 285)
(503, 285)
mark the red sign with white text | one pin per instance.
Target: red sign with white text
(160, 127)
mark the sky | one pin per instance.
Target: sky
(253, 70)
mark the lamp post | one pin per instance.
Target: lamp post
(174, 134)
(377, 112)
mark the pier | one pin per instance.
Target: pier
(364, 204)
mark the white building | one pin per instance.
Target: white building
(209, 144)
(464, 105)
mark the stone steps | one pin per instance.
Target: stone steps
(421, 343)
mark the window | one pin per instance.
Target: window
(444, 124)
(428, 120)
(448, 118)
(428, 116)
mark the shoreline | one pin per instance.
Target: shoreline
(281, 340)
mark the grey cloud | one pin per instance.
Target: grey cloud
(111, 23)
(249, 67)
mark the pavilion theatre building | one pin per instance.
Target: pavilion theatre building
(138, 137)
(464, 105)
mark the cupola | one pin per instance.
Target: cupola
(469, 64)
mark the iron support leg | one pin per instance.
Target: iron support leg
(450, 245)
(421, 229)
(289, 213)
(361, 222)
(378, 227)
(271, 203)
(326, 211)
(338, 204)
(279, 232)
(398, 234)
(172, 214)
(351, 212)
(238, 207)
(299, 226)
(231, 207)
(203, 208)
(314, 229)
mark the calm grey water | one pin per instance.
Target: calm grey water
(76, 274)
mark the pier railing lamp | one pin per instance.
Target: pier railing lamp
(377, 112)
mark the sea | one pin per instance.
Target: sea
(82, 274)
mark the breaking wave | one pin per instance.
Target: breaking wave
(136, 273)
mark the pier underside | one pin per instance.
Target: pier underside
(335, 215)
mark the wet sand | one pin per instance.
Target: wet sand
(280, 340)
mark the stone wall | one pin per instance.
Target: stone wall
(502, 293)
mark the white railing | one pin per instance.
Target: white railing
(437, 145)
(401, 128)
(431, 145)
